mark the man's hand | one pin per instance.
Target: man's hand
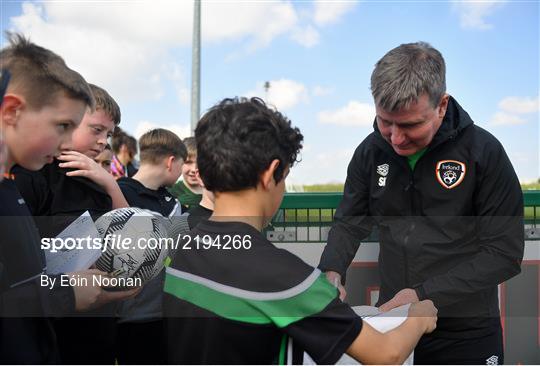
(86, 167)
(335, 279)
(425, 312)
(91, 296)
(405, 296)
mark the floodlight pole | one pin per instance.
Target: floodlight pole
(196, 66)
(266, 89)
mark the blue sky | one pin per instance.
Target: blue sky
(318, 57)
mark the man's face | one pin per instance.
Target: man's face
(34, 137)
(189, 171)
(90, 138)
(410, 130)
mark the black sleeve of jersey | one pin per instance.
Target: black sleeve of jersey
(499, 214)
(61, 299)
(327, 335)
(352, 222)
(30, 299)
(34, 189)
(129, 193)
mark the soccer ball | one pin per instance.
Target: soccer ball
(143, 259)
(449, 177)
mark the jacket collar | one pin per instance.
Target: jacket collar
(140, 188)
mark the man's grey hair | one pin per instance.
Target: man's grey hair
(407, 72)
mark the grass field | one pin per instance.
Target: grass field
(305, 216)
(535, 186)
(338, 187)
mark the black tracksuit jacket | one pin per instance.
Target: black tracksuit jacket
(453, 245)
(26, 332)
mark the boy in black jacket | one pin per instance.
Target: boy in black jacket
(140, 327)
(44, 102)
(232, 297)
(59, 193)
(74, 182)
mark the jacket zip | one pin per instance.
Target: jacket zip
(410, 191)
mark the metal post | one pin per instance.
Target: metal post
(266, 89)
(196, 66)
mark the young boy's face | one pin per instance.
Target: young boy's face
(104, 159)
(33, 137)
(189, 171)
(90, 138)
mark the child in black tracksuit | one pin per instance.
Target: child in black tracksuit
(59, 193)
(43, 103)
(140, 327)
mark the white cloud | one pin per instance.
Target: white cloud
(328, 12)
(505, 119)
(182, 131)
(261, 22)
(353, 114)
(117, 55)
(329, 166)
(520, 105)
(283, 93)
(126, 46)
(307, 37)
(321, 91)
(472, 13)
(510, 109)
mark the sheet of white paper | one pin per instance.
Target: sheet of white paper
(383, 322)
(64, 261)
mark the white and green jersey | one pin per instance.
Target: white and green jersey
(257, 304)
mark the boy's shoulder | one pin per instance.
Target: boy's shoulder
(19, 243)
(53, 176)
(35, 188)
(181, 187)
(59, 199)
(13, 204)
(211, 249)
(185, 195)
(137, 195)
(130, 184)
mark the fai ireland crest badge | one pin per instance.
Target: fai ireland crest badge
(450, 173)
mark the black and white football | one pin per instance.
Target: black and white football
(144, 257)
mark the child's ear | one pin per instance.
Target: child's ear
(169, 162)
(11, 108)
(267, 177)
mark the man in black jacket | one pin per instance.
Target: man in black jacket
(446, 201)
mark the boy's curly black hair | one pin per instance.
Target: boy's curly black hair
(238, 138)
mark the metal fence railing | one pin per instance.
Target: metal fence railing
(307, 217)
